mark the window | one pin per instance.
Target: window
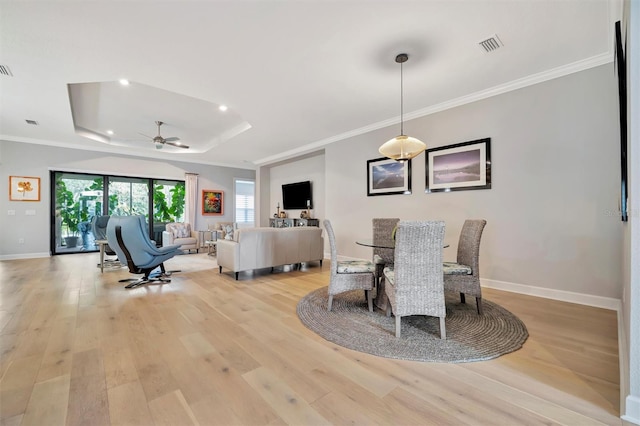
(245, 203)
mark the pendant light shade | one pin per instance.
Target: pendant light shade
(402, 147)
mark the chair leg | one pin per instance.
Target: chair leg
(330, 303)
(462, 299)
(237, 275)
(220, 269)
(369, 296)
(479, 304)
(388, 312)
(443, 331)
(398, 325)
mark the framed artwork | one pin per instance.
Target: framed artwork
(459, 167)
(386, 176)
(24, 188)
(212, 202)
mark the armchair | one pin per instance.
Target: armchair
(223, 230)
(127, 235)
(182, 235)
(99, 229)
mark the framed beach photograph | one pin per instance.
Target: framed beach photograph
(386, 176)
(212, 202)
(459, 167)
(24, 188)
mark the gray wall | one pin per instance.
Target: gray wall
(312, 169)
(630, 351)
(552, 210)
(21, 159)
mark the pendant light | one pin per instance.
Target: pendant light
(402, 147)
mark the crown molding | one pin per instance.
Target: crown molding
(531, 80)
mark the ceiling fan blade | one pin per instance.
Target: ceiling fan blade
(179, 145)
(172, 139)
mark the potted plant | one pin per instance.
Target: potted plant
(70, 212)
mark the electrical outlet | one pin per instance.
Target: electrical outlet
(20, 240)
(11, 212)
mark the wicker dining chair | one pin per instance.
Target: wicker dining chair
(348, 274)
(382, 234)
(463, 276)
(414, 284)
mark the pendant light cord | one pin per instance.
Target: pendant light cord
(401, 101)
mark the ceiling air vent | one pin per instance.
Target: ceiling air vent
(4, 70)
(490, 44)
(32, 122)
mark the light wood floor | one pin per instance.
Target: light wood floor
(79, 349)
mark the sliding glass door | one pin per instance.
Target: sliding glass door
(77, 198)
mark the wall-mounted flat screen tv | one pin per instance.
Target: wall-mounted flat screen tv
(296, 195)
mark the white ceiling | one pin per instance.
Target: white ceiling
(295, 75)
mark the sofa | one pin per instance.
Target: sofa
(182, 234)
(255, 248)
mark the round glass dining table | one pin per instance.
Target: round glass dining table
(380, 299)
(368, 242)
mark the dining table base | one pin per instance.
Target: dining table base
(380, 300)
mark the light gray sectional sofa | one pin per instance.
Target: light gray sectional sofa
(255, 248)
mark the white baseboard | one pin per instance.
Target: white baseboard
(632, 414)
(23, 256)
(550, 293)
(547, 293)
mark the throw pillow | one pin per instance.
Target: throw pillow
(228, 232)
(182, 230)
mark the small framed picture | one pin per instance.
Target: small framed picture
(458, 167)
(212, 202)
(386, 176)
(24, 188)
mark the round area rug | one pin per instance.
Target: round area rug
(470, 337)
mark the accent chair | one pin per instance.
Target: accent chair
(129, 237)
(348, 274)
(99, 229)
(414, 284)
(382, 234)
(180, 234)
(463, 276)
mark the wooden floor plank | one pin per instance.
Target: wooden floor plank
(48, 402)
(292, 408)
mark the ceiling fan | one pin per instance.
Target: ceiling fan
(160, 141)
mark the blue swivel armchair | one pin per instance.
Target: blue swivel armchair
(129, 239)
(99, 229)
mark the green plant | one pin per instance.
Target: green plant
(163, 211)
(71, 212)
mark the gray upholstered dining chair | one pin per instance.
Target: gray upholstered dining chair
(348, 274)
(382, 234)
(414, 284)
(463, 276)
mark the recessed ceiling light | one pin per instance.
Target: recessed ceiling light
(223, 107)
(109, 132)
(124, 81)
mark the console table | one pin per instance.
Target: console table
(290, 222)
